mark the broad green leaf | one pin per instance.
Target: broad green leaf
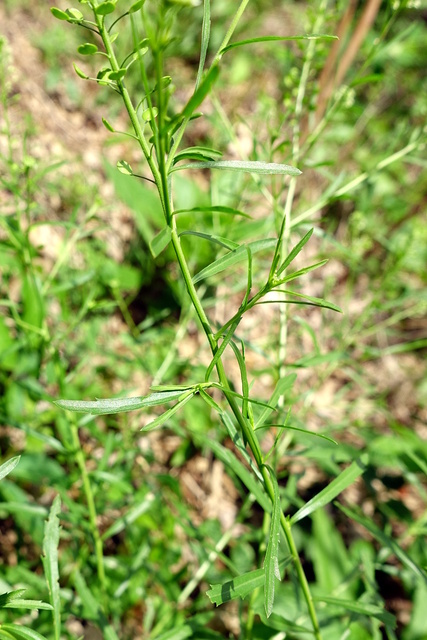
(232, 258)
(364, 608)
(108, 126)
(124, 167)
(283, 385)
(80, 73)
(87, 49)
(197, 153)
(105, 8)
(9, 466)
(160, 241)
(213, 209)
(239, 587)
(118, 405)
(295, 251)
(130, 516)
(60, 15)
(206, 31)
(118, 75)
(20, 632)
(50, 563)
(271, 562)
(201, 92)
(334, 488)
(223, 242)
(270, 168)
(136, 6)
(242, 43)
(388, 542)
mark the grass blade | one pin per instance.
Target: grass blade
(271, 562)
(269, 168)
(341, 482)
(50, 563)
(385, 540)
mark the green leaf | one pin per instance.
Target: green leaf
(74, 15)
(223, 242)
(197, 153)
(92, 607)
(108, 126)
(130, 516)
(60, 15)
(242, 43)
(33, 605)
(364, 608)
(299, 273)
(150, 114)
(50, 563)
(334, 488)
(213, 209)
(206, 32)
(160, 241)
(271, 562)
(20, 632)
(136, 6)
(270, 168)
(105, 8)
(80, 73)
(118, 75)
(9, 466)
(388, 542)
(10, 596)
(118, 405)
(239, 587)
(295, 251)
(233, 257)
(304, 299)
(283, 385)
(201, 92)
(124, 167)
(87, 49)
(160, 420)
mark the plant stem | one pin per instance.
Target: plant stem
(87, 488)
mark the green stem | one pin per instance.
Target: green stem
(90, 501)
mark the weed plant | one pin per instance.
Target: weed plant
(295, 579)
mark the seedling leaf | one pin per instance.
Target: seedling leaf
(334, 488)
(223, 242)
(270, 168)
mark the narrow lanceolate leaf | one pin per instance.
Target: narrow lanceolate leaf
(160, 420)
(130, 516)
(9, 466)
(295, 251)
(223, 242)
(363, 608)
(119, 405)
(50, 563)
(388, 542)
(201, 92)
(197, 153)
(301, 299)
(206, 32)
(239, 587)
(271, 562)
(248, 166)
(334, 488)
(160, 242)
(233, 257)
(213, 209)
(283, 385)
(20, 632)
(10, 596)
(242, 43)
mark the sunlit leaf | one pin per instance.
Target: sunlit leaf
(270, 168)
(239, 587)
(87, 49)
(9, 466)
(124, 167)
(118, 405)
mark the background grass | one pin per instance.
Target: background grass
(87, 312)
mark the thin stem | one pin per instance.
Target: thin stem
(87, 488)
